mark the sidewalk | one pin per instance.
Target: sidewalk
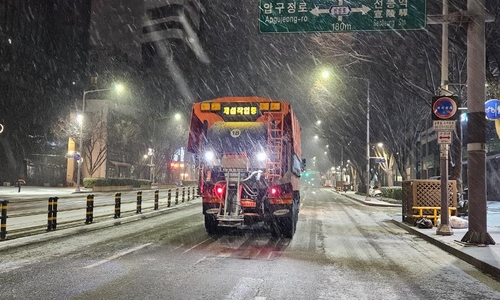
(11, 193)
(484, 257)
(38, 192)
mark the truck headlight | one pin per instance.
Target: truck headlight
(261, 156)
(209, 155)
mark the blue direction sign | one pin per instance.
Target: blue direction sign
(77, 156)
(492, 109)
(444, 108)
(341, 15)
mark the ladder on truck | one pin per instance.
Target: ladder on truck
(231, 214)
(274, 148)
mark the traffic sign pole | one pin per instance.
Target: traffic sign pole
(444, 114)
(444, 226)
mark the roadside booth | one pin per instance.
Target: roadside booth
(422, 198)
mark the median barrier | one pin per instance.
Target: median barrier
(112, 188)
(89, 210)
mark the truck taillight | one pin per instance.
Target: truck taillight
(219, 191)
(274, 191)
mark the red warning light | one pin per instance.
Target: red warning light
(219, 191)
(274, 191)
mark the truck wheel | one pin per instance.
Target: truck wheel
(288, 227)
(275, 230)
(211, 224)
(295, 210)
(283, 226)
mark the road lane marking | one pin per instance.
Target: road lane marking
(245, 288)
(116, 256)
(196, 245)
(6, 267)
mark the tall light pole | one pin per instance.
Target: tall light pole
(118, 88)
(367, 137)
(151, 151)
(151, 165)
(325, 74)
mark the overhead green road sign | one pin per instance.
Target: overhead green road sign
(341, 15)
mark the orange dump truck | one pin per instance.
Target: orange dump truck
(247, 150)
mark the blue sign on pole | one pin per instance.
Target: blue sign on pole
(492, 109)
(444, 108)
(77, 156)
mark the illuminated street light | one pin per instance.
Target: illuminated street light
(118, 88)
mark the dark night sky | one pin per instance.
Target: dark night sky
(242, 61)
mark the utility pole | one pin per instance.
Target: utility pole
(476, 131)
(476, 17)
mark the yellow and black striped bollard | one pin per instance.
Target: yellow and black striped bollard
(183, 193)
(139, 203)
(189, 194)
(118, 203)
(3, 223)
(157, 196)
(52, 214)
(169, 197)
(176, 195)
(90, 209)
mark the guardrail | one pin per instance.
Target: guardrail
(115, 209)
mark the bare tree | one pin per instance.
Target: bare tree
(387, 165)
(170, 136)
(95, 143)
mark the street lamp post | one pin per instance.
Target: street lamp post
(326, 74)
(151, 165)
(151, 151)
(367, 138)
(80, 146)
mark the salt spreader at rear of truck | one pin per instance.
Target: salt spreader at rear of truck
(249, 162)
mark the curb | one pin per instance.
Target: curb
(372, 203)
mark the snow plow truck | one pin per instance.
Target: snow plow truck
(248, 157)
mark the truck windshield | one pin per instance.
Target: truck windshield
(237, 137)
